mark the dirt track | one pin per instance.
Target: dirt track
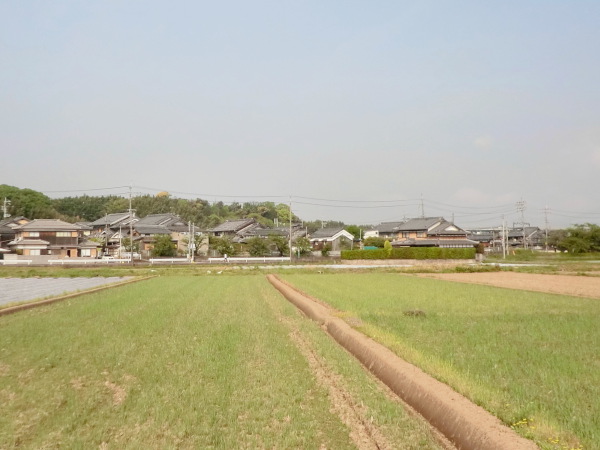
(465, 424)
(557, 284)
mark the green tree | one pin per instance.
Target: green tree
(303, 246)
(555, 239)
(281, 243)
(223, 245)
(582, 238)
(27, 202)
(164, 246)
(258, 246)
(355, 231)
(127, 245)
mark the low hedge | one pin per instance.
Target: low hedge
(412, 253)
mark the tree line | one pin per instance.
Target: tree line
(204, 214)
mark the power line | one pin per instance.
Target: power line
(86, 190)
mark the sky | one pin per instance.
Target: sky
(359, 111)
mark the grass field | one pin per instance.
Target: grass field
(530, 358)
(187, 362)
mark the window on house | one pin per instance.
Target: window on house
(86, 252)
(34, 234)
(63, 234)
(421, 234)
(34, 252)
(405, 234)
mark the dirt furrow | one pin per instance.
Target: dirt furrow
(465, 424)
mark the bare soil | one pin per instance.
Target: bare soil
(579, 286)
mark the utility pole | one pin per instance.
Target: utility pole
(5, 206)
(422, 208)
(546, 211)
(130, 226)
(192, 241)
(105, 235)
(503, 237)
(290, 245)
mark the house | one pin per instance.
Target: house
(156, 224)
(145, 236)
(7, 229)
(298, 231)
(52, 237)
(336, 238)
(113, 222)
(170, 221)
(516, 237)
(385, 230)
(431, 232)
(484, 237)
(233, 228)
(111, 229)
(526, 237)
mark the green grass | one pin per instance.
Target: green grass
(186, 362)
(529, 358)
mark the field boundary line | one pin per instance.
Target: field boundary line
(35, 304)
(465, 424)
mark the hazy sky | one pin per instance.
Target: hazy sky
(366, 106)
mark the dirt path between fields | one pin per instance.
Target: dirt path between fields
(465, 424)
(579, 286)
(364, 433)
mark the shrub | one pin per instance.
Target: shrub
(412, 253)
(387, 247)
(374, 242)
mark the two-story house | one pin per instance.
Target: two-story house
(52, 237)
(431, 232)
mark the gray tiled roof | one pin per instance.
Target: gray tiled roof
(151, 229)
(29, 242)
(166, 220)
(84, 225)
(89, 244)
(111, 219)
(322, 233)
(441, 230)
(419, 224)
(481, 237)
(48, 225)
(233, 225)
(12, 221)
(388, 227)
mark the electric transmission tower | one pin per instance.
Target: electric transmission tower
(521, 208)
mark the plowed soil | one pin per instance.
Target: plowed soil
(579, 286)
